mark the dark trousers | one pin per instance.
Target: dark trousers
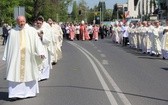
(77, 36)
(4, 40)
(91, 36)
(67, 36)
(125, 41)
(102, 35)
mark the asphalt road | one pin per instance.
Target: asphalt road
(99, 73)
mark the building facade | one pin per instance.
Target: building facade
(141, 8)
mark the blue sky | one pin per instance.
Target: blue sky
(109, 3)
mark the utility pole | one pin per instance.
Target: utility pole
(57, 17)
(100, 16)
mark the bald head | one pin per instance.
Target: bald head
(21, 21)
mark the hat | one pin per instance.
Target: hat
(82, 22)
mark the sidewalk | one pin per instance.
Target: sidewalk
(1, 39)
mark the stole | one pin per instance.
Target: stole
(22, 54)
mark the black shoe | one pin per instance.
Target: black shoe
(15, 99)
(144, 53)
(152, 54)
(158, 55)
(53, 63)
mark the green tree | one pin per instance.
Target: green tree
(91, 15)
(108, 15)
(56, 9)
(75, 11)
(6, 11)
(63, 9)
(84, 9)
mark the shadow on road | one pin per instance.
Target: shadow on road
(96, 89)
(166, 69)
(148, 57)
(4, 96)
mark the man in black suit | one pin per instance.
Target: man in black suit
(5, 34)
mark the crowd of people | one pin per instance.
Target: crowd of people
(30, 53)
(150, 37)
(84, 31)
(32, 50)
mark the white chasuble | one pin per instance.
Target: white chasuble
(22, 54)
(165, 41)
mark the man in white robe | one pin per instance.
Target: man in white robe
(131, 34)
(115, 37)
(144, 37)
(156, 39)
(23, 54)
(149, 36)
(164, 42)
(57, 39)
(46, 38)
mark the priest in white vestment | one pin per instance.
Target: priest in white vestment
(57, 40)
(164, 42)
(131, 34)
(149, 37)
(144, 36)
(115, 37)
(45, 36)
(23, 54)
(60, 40)
(156, 39)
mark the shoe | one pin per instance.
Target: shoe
(152, 54)
(15, 99)
(158, 55)
(144, 53)
(53, 63)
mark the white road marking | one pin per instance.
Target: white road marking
(100, 77)
(109, 78)
(105, 62)
(102, 55)
(95, 47)
(99, 51)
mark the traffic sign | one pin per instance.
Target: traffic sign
(19, 11)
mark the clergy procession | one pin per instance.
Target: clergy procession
(30, 53)
(149, 37)
(81, 31)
